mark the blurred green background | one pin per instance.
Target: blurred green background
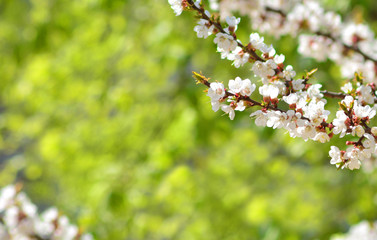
(100, 117)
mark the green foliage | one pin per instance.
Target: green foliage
(100, 116)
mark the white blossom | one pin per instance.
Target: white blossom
(228, 110)
(176, 5)
(216, 91)
(322, 137)
(363, 111)
(225, 43)
(289, 73)
(298, 84)
(335, 155)
(260, 118)
(339, 123)
(269, 91)
(202, 30)
(239, 57)
(347, 88)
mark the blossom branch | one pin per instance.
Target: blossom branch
(306, 117)
(354, 48)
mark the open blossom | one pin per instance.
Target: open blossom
(216, 91)
(335, 155)
(314, 92)
(316, 112)
(354, 34)
(298, 84)
(365, 94)
(232, 22)
(225, 43)
(239, 57)
(243, 87)
(353, 156)
(228, 110)
(347, 88)
(264, 69)
(289, 73)
(203, 29)
(322, 137)
(358, 131)
(363, 111)
(339, 123)
(269, 91)
(369, 142)
(176, 5)
(348, 101)
(279, 59)
(257, 42)
(260, 118)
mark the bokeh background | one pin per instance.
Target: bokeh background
(100, 117)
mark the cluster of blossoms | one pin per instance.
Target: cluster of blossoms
(20, 220)
(322, 35)
(288, 102)
(362, 231)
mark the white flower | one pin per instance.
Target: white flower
(335, 155)
(261, 118)
(215, 105)
(256, 41)
(353, 34)
(353, 156)
(307, 131)
(216, 91)
(369, 141)
(292, 98)
(264, 69)
(228, 110)
(289, 73)
(374, 131)
(322, 137)
(235, 85)
(339, 124)
(276, 119)
(176, 5)
(279, 59)
(197, 3)
(298, 84)
(270, 91)
(314, 92)
(232, 21)
(358, 130)
(363, 111)
(365, 94)
(240, 106)
(316, 112)
(239, 57)
(348, 101)
(243, 87)
(247, 88)
(202, 30)
(6, 197)
(347, 88)
(225, 43)
(317, 47)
